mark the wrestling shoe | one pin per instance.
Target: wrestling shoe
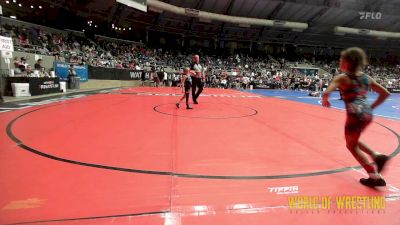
(369, 182)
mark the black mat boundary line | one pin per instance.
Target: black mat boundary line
(183, 175)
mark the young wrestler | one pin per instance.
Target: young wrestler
(186, 83)
(354, 85)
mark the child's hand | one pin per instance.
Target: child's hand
(326, 103)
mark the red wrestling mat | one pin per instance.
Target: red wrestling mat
(131, 157)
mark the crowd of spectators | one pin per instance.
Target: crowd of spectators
(237, 71)
(21, 67)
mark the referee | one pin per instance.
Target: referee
(197, 78)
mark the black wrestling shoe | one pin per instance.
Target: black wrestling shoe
(177, 105)
(188, 107)
(195, 102)
(380, 161)
(373, 182)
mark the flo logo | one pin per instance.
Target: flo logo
(370, 15)
(284, 190)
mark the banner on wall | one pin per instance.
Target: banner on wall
(37, 86)
(264, 86)
(61, 70)
(309, 71)
(394, 90)
(6, 44)
(101, 73)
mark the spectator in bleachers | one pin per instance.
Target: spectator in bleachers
(23, 39)
(38, 64)
(43, 72)
(132, 65)
(17, 62)
(29, 71)
(71, 71)
(70, 48)
(23, 65)
(119, 65)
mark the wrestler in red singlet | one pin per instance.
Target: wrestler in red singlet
(354, 86)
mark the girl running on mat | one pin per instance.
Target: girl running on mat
(186, 84)
(354, 86)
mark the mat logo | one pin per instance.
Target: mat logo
(45, 102)
(25, 204)
(284, 190)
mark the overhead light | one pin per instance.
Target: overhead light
(95, 26)
(40, 7)
(192, 12)
(204, 20)
(20, 5)
(13, 17)
(32, 7)
(366, 32)
(130, 28)
(134, 4)
(124, 29)
(8, 2)
(83, 30)
(244, 25)
(155, 10)
(279, 23)
(339, 33)
(14, 1)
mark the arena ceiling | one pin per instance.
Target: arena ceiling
(321, 15)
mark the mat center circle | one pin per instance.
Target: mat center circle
(206, 110)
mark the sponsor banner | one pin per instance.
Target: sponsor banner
(6, 44)
(61, 69)
(138, 75)
(394, 90)
(264, 86)
(308, 71)
(101, 73)
(284, 190)
(37, 86)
